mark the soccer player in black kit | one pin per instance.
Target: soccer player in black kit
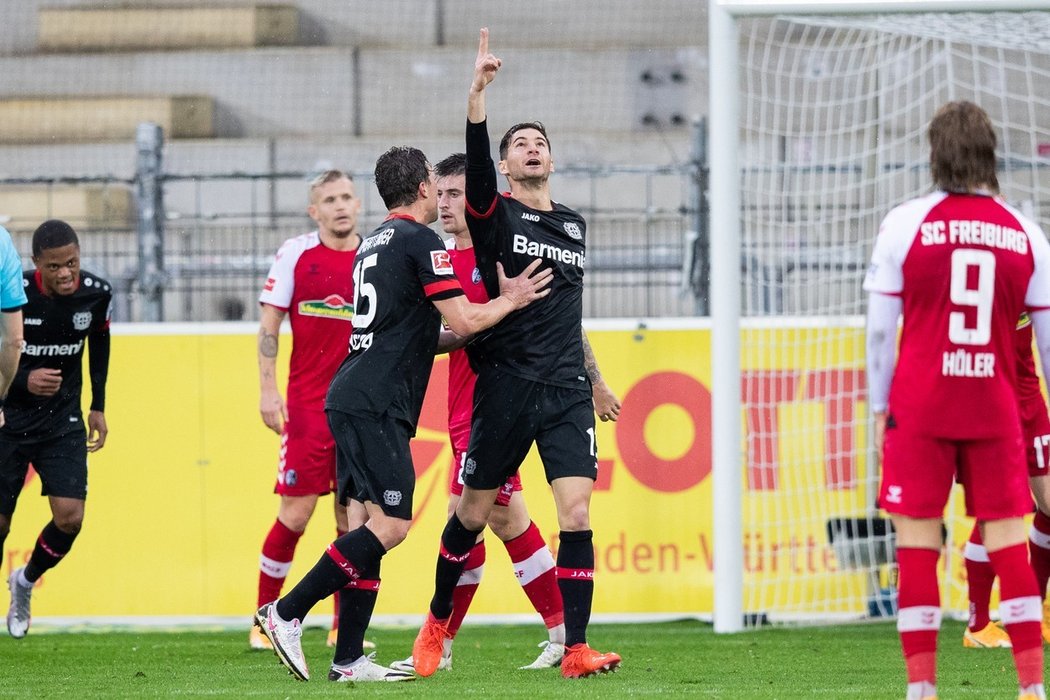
(67, 308)
(403, 285)
(532, 385)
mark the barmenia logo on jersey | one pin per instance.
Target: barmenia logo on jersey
(333, 306)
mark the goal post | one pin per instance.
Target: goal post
(817, 114)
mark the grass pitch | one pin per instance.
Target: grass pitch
(680, 658)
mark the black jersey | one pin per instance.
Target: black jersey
(541, 342)
(400, 268)
(56, 329)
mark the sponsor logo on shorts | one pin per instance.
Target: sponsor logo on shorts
(82, 320)
(475, 276)
(441, 262)
(291, 477)
(469, 466)
(34, 321)
(392, 498)
(894, 494)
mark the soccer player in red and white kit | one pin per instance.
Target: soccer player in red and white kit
(982, 633)
(311, 282)
(510, 522)
(961, 266)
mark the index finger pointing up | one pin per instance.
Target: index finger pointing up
(483, 43)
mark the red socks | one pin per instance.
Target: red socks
(275, 561)
(919, 616)
(466, 587)
(979, 579)
(534, 569)
(1021, 611)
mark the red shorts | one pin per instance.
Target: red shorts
(918, 472)
(459, 453)
(1036, 428)
(307, 463)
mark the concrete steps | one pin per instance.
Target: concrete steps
(108, 28)
(63, 119)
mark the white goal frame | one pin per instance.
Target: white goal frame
(725, 201)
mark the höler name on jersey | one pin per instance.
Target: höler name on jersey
(545, 250)
(961, 363)
(964, 232)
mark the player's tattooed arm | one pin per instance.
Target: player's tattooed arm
(271, 404)
(606, 405)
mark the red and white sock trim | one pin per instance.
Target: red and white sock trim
(1026, 609)
(976, 552)
(919, 618)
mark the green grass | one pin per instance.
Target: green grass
(681, 658)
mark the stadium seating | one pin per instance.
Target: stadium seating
(82, 205)
(259, 87)
(97, 118)
(108, 28)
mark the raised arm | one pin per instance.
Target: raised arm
(271, 404)
(485, 67)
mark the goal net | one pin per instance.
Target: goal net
(833, 113)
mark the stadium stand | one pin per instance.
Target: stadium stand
(102, 118)
(81, 205)
(283, 88)
(107, 28)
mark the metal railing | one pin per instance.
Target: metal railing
(196, 247)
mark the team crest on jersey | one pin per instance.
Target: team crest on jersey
(332, 306)
(573, 229)
(441, 262)
(392, 498)
(82, 320)
(475, 276)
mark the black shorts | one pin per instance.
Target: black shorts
(60, 462)
(374, 462)
(511, 413)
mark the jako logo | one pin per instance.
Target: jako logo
(530, 217)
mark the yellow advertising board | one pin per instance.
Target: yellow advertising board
(182, 496)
